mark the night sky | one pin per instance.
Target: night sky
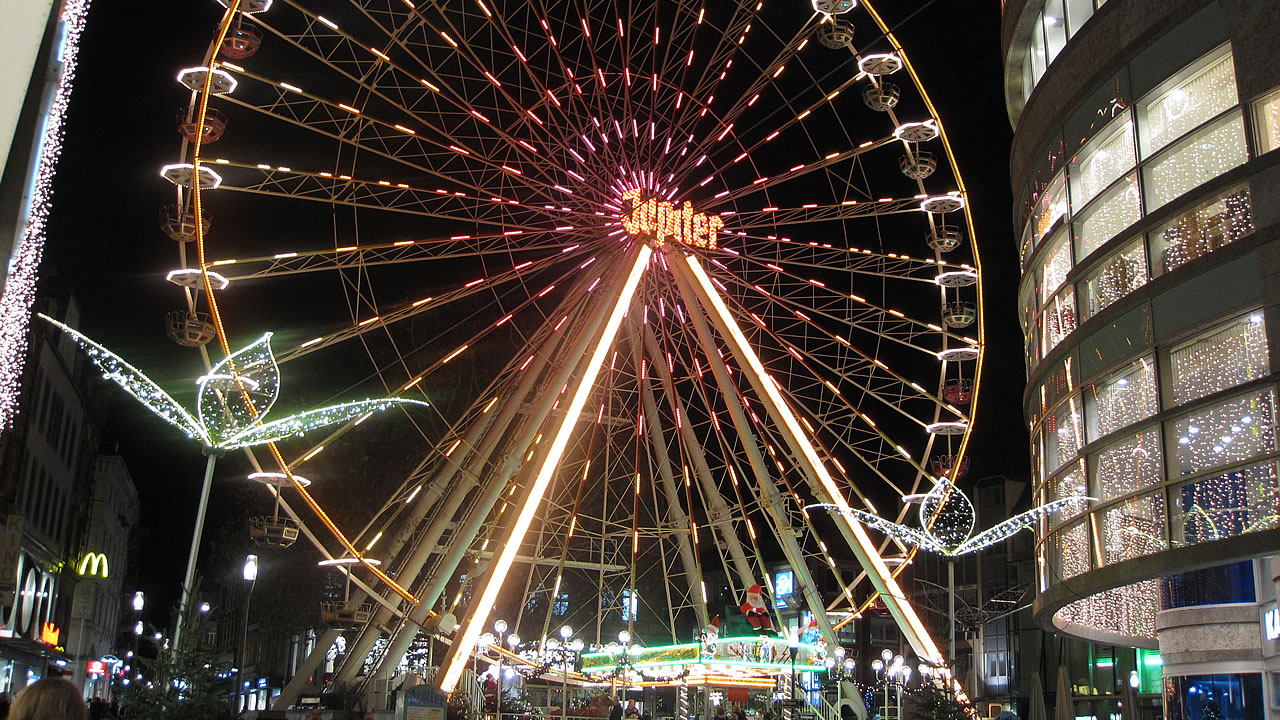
(105, 242)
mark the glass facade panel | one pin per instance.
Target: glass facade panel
(1240, 501)
(1069, 551)
(1128, 466)
(1068, 484)
(1202, 229)
(1127, 396)
(1102, 160)
(1266, 121)
(1134, 528)
(1117, 209)
(1202, 157)
(1055, 28)
(1229, 432)
(1123, 273)
(1077, 12)
(1036, 53)
(1064, 434)
(1189, 99)
(1220, 585)
(1200, 697)
(1227, 356)
(1056, 264)
(1058, 320)
(1049, 210)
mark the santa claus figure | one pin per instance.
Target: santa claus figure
(755, 610)
(709, 638)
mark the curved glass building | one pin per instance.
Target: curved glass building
(1145, 182)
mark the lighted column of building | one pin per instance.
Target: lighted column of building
(1144, 184)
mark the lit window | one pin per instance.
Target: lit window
(1121, 399)
(1114, 278)
(630, 605)
(783, 586)
(1204, 228)
(1203, 156)
(1224, 357)
(1187, 100)
(1232, 431)
(1266, 120)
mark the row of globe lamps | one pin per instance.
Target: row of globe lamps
(560, 654)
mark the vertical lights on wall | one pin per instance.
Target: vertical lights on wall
(20, 283)
(1232, 354)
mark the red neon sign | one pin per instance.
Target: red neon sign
(662, 221)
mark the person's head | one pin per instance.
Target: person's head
(49, 699)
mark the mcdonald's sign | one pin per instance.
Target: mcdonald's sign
(93, 564)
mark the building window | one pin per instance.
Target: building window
(1127, 466)
(1103, 160)
(1202, 90)
(783, 586)
(630, 605)
(1123, 398)
(1203, 156)
(1232, 431)
(1266, 121)
(1063, 435)
(1115, 210)
(1057, 263)
(1059, 319)
(1068, 484)
(1116, 277)
(1134, 528)
(1234, 503)
(1069, 551)
(1231, 697)
(1202, 229)
(1228, 355)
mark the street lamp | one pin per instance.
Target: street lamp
(250, 575)
(566, 648)
(501, 627)
(793, 642)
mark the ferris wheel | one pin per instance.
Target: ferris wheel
(668, 273)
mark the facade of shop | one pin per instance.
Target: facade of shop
(1145, 184)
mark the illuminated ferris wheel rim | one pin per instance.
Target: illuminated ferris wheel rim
(921, 201)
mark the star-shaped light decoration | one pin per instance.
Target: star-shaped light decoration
(947, 519)
(234, 398)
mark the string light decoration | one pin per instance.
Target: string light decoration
(1230, 355)
(947, 518)
(1203, 229)
(20, 284)
(1134, 528)
(1128, 611)
(1126, 397)
(1103, 159)
(1119, 208)
(1125, 272)
(1234, 503)
(1059, 319)
(1230, 432)
(226, 419)
(1205, 155)
(1208, 88)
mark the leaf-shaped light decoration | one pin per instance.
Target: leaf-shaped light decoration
(947, 517)
(303, 422)
(134, 382)
(238, 390)
(226, 421)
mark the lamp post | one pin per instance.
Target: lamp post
(501, 627)
(793, 642)
(565, 633)
(250, 574)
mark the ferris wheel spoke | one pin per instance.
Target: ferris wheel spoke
(819, 258)
(381, 322)
(772, 216)
(399, 252)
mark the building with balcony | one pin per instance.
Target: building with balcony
(1144, 181)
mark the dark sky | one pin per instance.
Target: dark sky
(106, 243)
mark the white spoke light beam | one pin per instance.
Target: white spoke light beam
(463, 645)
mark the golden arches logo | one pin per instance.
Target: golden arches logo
(93, 562)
